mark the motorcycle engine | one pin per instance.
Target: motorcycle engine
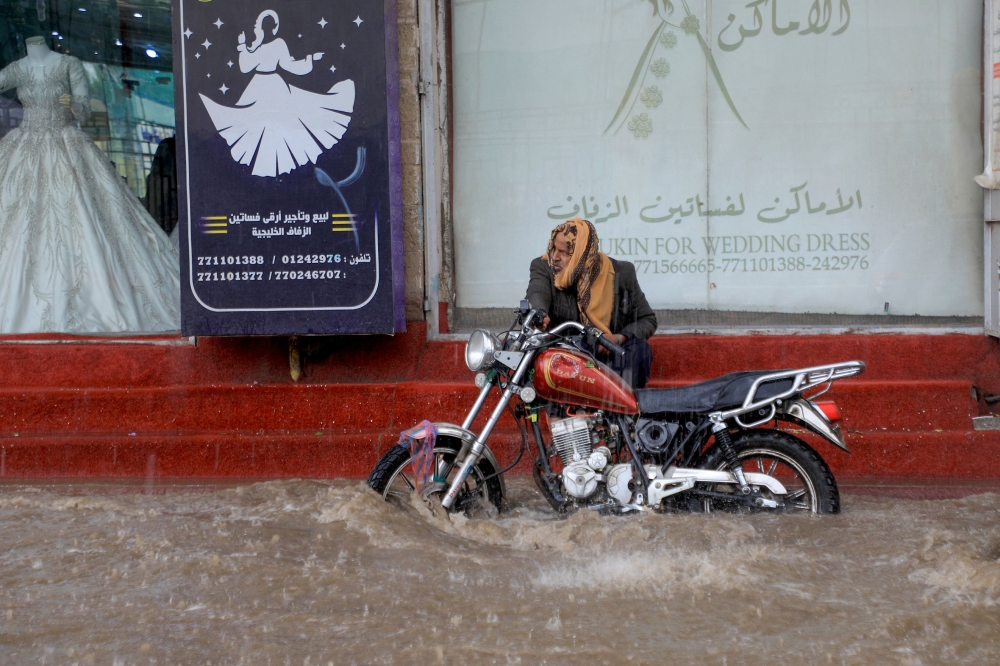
(574, 439)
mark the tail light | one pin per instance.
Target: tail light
(829, 409)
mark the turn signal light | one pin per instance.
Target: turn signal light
(829, 409)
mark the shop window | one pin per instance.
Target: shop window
(88, 194)
(802, 161)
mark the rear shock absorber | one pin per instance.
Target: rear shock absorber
(725, 442)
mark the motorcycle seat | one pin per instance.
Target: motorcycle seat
(720, 393)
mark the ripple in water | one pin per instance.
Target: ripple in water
(303, 572)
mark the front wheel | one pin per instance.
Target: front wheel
(393, 478)
(805, 475)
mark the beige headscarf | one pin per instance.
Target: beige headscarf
(589, 269)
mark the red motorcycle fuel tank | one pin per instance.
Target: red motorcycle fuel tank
(572, 378)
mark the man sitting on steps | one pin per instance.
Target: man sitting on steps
(574, 281)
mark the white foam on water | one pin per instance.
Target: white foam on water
(79, 503)
(654, 573)
(962, 566)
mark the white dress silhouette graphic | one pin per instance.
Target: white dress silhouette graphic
(274, 126)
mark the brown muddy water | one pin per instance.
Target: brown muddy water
(305, 572)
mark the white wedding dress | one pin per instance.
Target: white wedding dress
(78, 252)
(275, 126)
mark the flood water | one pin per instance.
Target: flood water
(306, 572)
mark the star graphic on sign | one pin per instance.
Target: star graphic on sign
(322, 22)
(343, 46)
(333, 68)
(230, 63)
(197, 55)
(218, 24)
(209, 75)
(206, 44)
(187, 32)
(223, 88)
(357, 21)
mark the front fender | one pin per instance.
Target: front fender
(805, 414)
(467, 438)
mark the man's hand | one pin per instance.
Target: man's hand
(545, 323)
(616, 338)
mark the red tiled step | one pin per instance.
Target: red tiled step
(896, 406)
(941, 455)
(208, 455)
(409, 357)
(689, 358)
(334, 407)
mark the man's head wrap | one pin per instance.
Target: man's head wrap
(589, 269)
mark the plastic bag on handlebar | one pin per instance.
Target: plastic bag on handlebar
(420, 441)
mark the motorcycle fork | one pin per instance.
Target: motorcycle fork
(476, 451)
(445, 467)
(478, 405)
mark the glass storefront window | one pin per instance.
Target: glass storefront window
(126, 52)
(797, 157)
(87, 173)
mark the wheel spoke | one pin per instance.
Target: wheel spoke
(801, 495)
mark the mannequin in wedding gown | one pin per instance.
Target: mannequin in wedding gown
(78, 252)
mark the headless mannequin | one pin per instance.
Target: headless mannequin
(39, 55)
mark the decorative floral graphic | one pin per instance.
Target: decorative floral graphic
(641, 126)
(660, 68)
(651, 97)
(691, 25)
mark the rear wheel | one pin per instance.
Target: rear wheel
(393, 478)
(807, 478)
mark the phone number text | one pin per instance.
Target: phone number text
(255, 276)
(753, 265)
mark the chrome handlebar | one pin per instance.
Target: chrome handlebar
(598, 334)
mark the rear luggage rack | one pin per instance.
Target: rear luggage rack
(802, 380)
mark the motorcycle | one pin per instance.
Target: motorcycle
(711, 446)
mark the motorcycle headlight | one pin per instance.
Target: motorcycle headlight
(479, 350)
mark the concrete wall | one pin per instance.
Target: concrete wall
(409, 116)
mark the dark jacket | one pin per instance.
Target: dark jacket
(631, 315)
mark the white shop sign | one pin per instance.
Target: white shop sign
(777, 155)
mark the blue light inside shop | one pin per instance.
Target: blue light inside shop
(83, 9)
(118, 42)
(137, 15)
(152, 54)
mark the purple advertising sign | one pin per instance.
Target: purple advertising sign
(288, 167)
